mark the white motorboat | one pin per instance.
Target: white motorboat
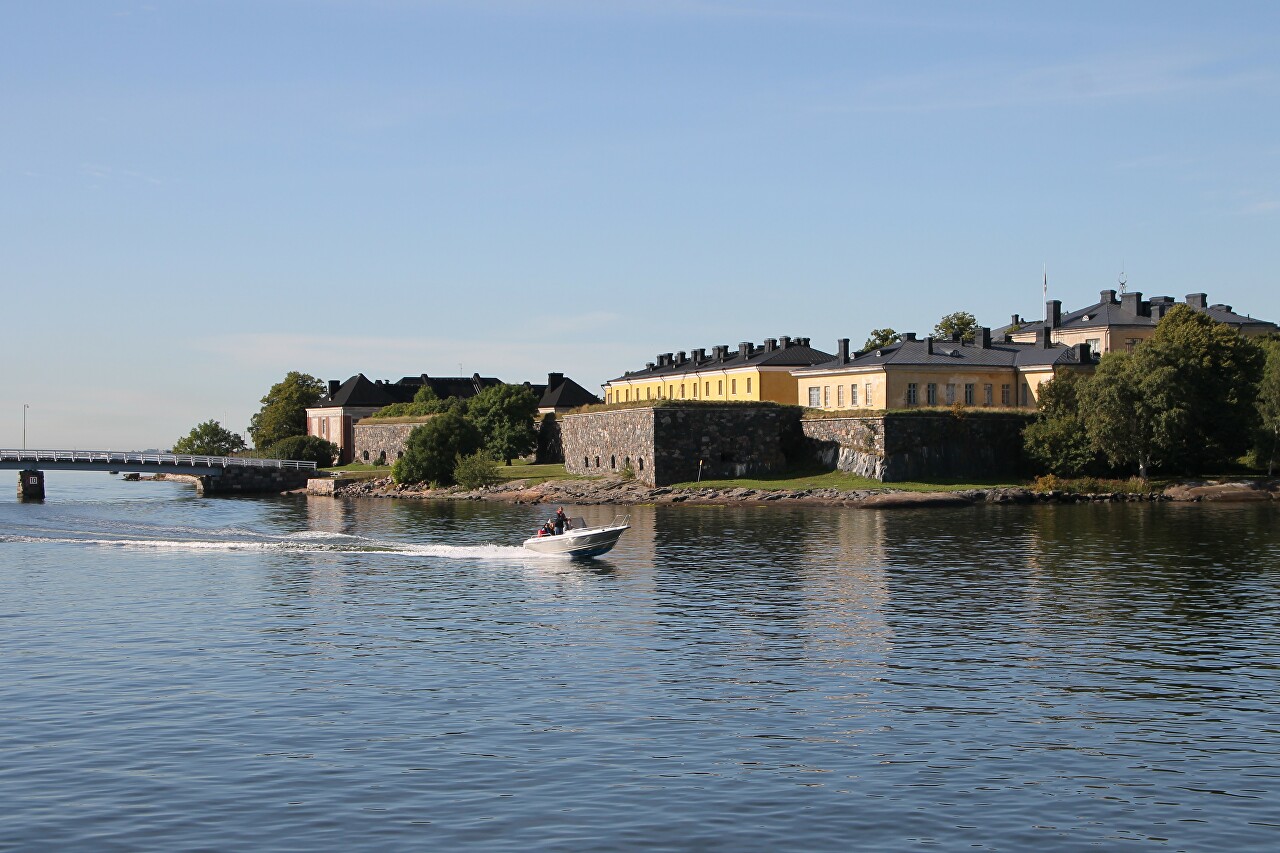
(580, 540)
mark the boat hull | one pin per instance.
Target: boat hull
(591, 542)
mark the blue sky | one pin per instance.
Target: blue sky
(197, 197)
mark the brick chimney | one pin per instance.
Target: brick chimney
(554, 380)
(984, 337)
(770, 344)
(928, 344)
(1107, 297)
(842, 349)
(908, 336)
(1199, 301)
(334, 385)
(1053, 313)
(1131, 303)
(744, 349)
(1044, 337)
(785, 341)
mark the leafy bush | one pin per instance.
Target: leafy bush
(305, 448)
(476, 470)
(421, 408)
(627, 472)
(433, 449)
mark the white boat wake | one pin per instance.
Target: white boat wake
(306, 542)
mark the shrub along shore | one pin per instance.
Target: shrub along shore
(612, 490)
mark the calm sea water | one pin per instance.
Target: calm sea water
(180, 673)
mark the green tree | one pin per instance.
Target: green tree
(1131, 410)
(1217, 372)
(284, 409)
(432, 450)
(476, 470)
(1268, 404)
(957, 321)
(1182, 401)
(1057, 440)
(209, 439)
(504, 414)
(305, 448)
(426, 394)
(879, 338)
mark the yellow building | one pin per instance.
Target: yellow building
(938, 372)
(1123, 323)
(749, 373)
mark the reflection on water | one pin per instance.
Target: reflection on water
(313, 673)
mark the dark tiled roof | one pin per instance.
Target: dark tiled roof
(956, 354)
(359, 391)
(561, 392)
(1139, 312)
(796, 353)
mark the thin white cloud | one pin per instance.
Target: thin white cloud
(101, 172)
(1087, 79)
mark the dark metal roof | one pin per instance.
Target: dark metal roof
(772, 353)
(1132, 310)
(957, 354)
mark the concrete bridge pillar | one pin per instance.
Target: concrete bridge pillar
(30, 485)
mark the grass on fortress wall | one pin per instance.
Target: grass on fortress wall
(795, 481)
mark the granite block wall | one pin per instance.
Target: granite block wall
(669, 444)
(895, 448)
(605, 442)
(374, 441)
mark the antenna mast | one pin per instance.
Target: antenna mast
(1123, 280)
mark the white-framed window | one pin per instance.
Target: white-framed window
(931, 394)
(853, 394)
(1004, 395)
(826, 396)
(911, 393)
(1095, 345)
(748, 384)
(968, 393)
(839, 396)
(814, 399)
(866, 398)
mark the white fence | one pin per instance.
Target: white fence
(97, 458)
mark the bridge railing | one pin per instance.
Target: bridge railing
(131, 458)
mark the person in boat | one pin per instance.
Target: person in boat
(547, 529)
(562, 521)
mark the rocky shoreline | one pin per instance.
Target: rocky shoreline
(623, 492)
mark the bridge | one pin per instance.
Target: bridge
(213, 474)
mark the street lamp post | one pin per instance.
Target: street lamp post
(25, 406)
